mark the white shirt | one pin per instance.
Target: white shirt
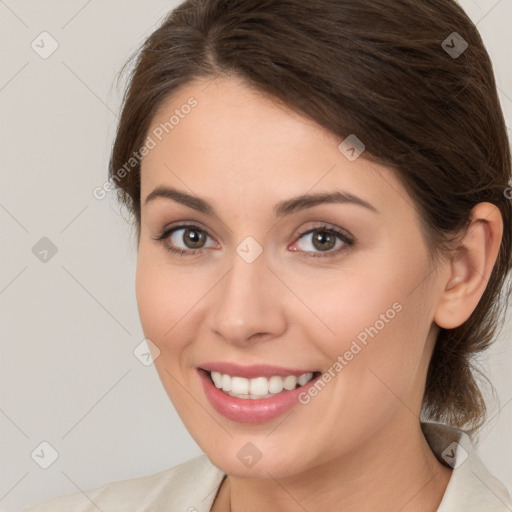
(192, 485)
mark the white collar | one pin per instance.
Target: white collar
(472, 487)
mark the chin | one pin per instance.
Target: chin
(246, 461)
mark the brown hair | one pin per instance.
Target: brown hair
(377, 69)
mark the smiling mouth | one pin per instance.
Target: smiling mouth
(258, 387)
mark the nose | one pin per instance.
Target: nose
(248, 303)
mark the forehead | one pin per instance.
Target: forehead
(220, 138)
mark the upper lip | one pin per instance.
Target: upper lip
(252, 371)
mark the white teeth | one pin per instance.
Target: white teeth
(275, 385)
(290, 382)
(259, 387)
(226, 383)
(239, 385)
(217, 379)
(304, 379)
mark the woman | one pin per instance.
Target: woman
(320, 195)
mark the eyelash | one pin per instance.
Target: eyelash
(349, 242)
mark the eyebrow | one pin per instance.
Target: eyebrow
(280, 210)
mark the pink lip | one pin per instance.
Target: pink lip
(252, 371)
(251, 410)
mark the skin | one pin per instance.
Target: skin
(358, 444)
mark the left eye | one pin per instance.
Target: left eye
(324, 239)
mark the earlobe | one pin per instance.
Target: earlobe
(471, 267)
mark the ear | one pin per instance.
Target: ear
(471, 267)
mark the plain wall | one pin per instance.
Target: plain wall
(69, 326)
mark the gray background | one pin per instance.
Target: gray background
(69, 326)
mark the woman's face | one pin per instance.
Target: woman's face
(275, 286)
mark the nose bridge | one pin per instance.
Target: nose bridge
(246, 302)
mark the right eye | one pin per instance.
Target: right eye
(191, 236)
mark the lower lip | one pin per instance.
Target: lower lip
(251, 410)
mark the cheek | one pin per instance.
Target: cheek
(391, 371)
(369, 290)
(163, 304)
(377, 327)
(150, 302)
(359, 305)
(162, 298)
(164, 292)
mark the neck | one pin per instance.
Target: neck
(393, 470)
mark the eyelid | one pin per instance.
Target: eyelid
(328, 226)
(186, 224)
